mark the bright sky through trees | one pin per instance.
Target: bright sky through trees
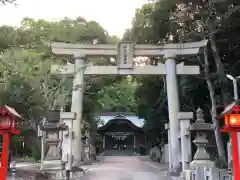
(115, 16)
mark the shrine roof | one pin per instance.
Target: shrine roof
(107, 116)
(122, 119)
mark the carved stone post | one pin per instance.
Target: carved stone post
(67, 156)
(87, 148)
(201, 158)
(186, 148)
(169, 146)
(42, 135)
(134, 141)
(104, 142)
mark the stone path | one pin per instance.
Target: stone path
(125, 168)
(122, 168)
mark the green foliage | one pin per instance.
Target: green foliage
(31, 155)
(26, 59)
(119, 95)
(36, 153)
(27, 85)
(187, 21)
(152, 107)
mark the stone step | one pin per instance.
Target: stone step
(119, 153)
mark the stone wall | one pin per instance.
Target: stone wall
(202, 173)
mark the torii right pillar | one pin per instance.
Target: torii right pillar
(173, 108)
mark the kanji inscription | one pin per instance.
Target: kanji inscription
(125, 55)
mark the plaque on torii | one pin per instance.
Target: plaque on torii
(125, 55)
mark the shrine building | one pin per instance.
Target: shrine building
(121, 133)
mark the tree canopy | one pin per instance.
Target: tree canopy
(163, 21)
(26, 59)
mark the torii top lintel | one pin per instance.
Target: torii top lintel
(67, 49)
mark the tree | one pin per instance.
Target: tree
(206, 20)
(26, 57)
(27, 84)
(119, 96)
(156, 21)
(7, 1)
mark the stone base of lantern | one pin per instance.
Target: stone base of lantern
(50, 165)
(174, 172)
(201, 163)
(87, 160)
(53, 152)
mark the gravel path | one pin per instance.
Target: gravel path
(124, 168)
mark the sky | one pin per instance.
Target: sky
(113, 15)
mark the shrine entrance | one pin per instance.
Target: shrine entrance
(121, 134)
(119, 140)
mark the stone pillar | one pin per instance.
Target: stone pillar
(77, 102)
(169, 146)
(201, 158)
(186, 143)
(87, 160)
(67, 155)
(87, 147)
(104, 142)
(173, 109)
(42, 134)
(229, 154)
(134, 141)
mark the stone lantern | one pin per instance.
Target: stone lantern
(201, 158)
(52, 126)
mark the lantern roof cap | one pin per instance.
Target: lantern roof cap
(10, 111)
(200, 124)
(229, 108)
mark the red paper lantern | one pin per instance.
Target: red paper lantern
(234, 120)
(5, 122)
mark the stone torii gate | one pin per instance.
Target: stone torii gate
(124, 53)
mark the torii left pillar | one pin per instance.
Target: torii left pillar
(77, 106)
(173, 109)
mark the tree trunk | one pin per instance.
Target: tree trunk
(219, 142)
(220, 69)
(225, 96)
(35, 129)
